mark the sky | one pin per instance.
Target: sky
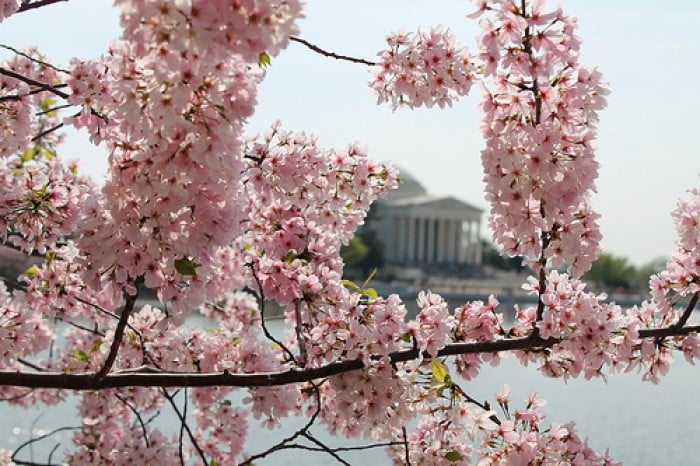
(647, 50)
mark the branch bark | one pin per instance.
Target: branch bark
(149, 377)
(326, 53)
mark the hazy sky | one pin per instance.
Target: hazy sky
(648, 51)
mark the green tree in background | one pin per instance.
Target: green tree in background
(613, 273)
(365, 251)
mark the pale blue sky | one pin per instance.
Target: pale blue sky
(648, 51)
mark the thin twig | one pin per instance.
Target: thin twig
(34, 59)
(688, 311)
(138, 418)
(323, 447)
(326, 53)
(261, 304)
(171, 400)
(32, 440)
(46, 87)
(26, 6)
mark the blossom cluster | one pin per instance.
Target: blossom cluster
(423, 69)
(170, 100)
(539, 123)
(194, 211)
(40, 195)
(522, 439)
(305, 203)
(681, 279)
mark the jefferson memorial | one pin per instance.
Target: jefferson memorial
(428, 232)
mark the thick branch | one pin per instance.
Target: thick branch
(326, 53)
(152, 378)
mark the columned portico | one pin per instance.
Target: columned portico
(418, 229)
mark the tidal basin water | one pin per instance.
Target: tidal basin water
(641, 423)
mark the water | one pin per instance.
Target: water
(642, 424)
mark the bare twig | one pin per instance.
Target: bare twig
(183, 420)
(33, 440)
(34, 59)
(687, 312)
(26, 6)
(43, 86)
(326, 53)
(138, 418)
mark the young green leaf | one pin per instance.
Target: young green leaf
(186, 266)
(371, 293)
(350, 284)
(264, 60)
(439, 370)
(453, 456)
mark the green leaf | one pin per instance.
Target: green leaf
(264, 60)
(371, 293)
(96, 346)
(31, 272)
(370, 277)
(28, 155)
(186, 266)
(291, 255)
(453, 456)
(50, 256)
(213, 462)
(439, 370)
(80, 355)
(350, 284)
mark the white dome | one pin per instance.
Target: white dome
(409, 187)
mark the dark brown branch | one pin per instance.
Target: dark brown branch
(149, 378)
(48, 131)
(43, 86)
(26, 6)
(326, 53)
(687, 312)
(119, 333)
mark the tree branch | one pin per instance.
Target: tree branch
(148, 378)
(34, 59)
(43, 86)
(326, 53)
(26, 6)
(119, 333)
(688, 311)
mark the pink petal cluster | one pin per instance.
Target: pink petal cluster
(181, 83)
(423, 69)
(539, 122)
(523, 440)
(682, 275)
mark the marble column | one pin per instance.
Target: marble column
(430, 237)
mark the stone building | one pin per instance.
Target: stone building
(429, 232)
